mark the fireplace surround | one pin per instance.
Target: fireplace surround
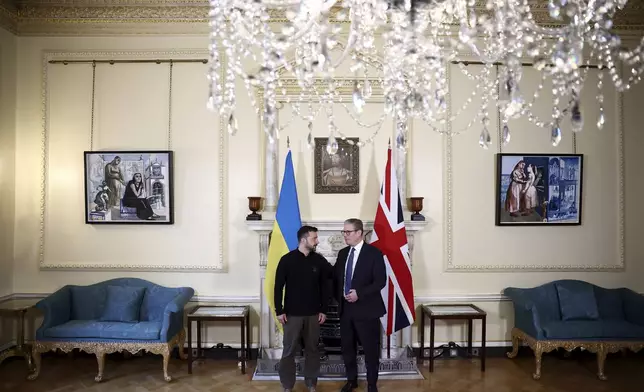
(270, 338)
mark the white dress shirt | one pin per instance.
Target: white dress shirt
(356, 253)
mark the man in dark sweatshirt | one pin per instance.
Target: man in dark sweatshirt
(307, 277)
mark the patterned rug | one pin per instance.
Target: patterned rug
(401, 365)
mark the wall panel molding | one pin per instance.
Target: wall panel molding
(218, 264)
(450, 265)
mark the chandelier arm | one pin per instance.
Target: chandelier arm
(317, 12)
(351, 42)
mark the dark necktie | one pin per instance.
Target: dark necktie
(349, 273)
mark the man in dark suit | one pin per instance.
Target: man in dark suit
(359, 275)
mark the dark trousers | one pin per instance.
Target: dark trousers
(307, 329)
(368, 333)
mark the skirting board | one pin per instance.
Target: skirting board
(237, 345)
(475, 344)
(232, 355)
(495, 349)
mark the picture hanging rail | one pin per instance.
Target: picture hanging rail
(135, 61)
(129, 186)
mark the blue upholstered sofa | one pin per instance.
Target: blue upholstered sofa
(117, 315)
(573, 314)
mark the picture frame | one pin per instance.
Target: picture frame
(340, 172)
(539, 189)
(129, 187)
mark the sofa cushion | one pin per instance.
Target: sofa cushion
(87, 302)
(577, 301)
(79, 329)
(123, 304)
(155, 300)
(587, 329)
(609, 303)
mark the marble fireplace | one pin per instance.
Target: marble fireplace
(331, 241)
(401, 363)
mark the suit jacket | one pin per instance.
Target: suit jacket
(369, 278)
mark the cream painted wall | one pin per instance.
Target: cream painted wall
(132, 113)
(7, 170)
(634, 219)
(7, 157)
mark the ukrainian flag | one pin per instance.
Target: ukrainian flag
(284, 236)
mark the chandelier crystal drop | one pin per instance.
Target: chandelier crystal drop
(297, 53)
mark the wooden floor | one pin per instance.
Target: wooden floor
(141, 374)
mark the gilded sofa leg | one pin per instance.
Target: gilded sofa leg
(182, 345)
(538, 351)
(100, 358)
(515, 345)
(601, 361)
(36, 371)
(166, 361)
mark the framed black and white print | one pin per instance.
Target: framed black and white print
(129, 187)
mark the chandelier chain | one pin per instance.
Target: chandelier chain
(170, 106)
(91, 129)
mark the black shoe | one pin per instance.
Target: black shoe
(372, 388)
(349, 386)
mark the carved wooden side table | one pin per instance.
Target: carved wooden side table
(18, 308)
(204, 313)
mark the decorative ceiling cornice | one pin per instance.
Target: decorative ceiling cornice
(126, 17)
(8, 16)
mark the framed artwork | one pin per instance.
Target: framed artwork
(128, 187)
(340, 172)
(538, 189)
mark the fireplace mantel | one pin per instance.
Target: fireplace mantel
(331, 241)
(329, 225)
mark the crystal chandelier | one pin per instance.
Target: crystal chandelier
(404, 47)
